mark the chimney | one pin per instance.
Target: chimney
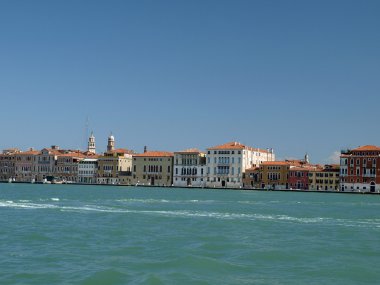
(145, 149)
(55, 147)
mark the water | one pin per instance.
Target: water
(57, 234)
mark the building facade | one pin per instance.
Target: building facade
(7, 164)
(153, 168)
(24, 163)
(44, 164)
(189, 168)
(112, 163)
(88, 171)
(66, 167)
(360, 169)
(226, 163)
(275, 174)
(299, 177)
(251, 178)
(324, 178)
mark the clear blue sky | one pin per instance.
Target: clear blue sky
(298, 76)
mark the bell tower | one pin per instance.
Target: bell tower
(91, 147)
(111, 143)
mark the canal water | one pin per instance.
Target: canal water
(70, 234)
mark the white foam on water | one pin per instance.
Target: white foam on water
(55, 199)
(372, 223)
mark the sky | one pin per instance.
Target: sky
(296, 76)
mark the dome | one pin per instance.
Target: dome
(111, 138)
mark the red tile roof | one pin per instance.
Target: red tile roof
(276, 163)
(155, 154)
(367, 148)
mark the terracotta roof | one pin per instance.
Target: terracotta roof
(72, 154)
(29, 152)
(367, 148)
(276, 163)
(154, 154)
(235, 146)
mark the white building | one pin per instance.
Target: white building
(226, 163)
(189, 168)
(88, 171)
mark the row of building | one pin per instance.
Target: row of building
(230, 165)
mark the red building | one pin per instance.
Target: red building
(360, 169)
(299, 177)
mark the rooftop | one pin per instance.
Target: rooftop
(154, 154)
(235, 146)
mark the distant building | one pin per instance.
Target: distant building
(66, 167)
(251, 178)
(113, 162)
(189, 168)
(44, 164)
(88, 171)
(299, 177)
(360, 169)
(226, 163)
(324, 178)
(153, 168)
(275, 174)
(24, 162)
(7, 164)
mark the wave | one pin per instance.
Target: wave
(157, 201)
(198, 214)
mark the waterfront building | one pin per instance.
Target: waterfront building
(44, 163)
(324, 178)
(251, 178)
(66, 167)
(7, 164)
(154, 168)
(23, 164)
(275, 174)
(113, 162)
(360, 169)
(189, 168)
(88, 170)
(226, 163)
(299, 177)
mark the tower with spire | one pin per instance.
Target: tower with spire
(307, 160)
(91, 147)
(111, 143)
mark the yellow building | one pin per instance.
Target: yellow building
(112, 164)
(275, 174)
(325, 178)
(153, 168)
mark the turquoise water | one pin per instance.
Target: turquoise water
(57, 234)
